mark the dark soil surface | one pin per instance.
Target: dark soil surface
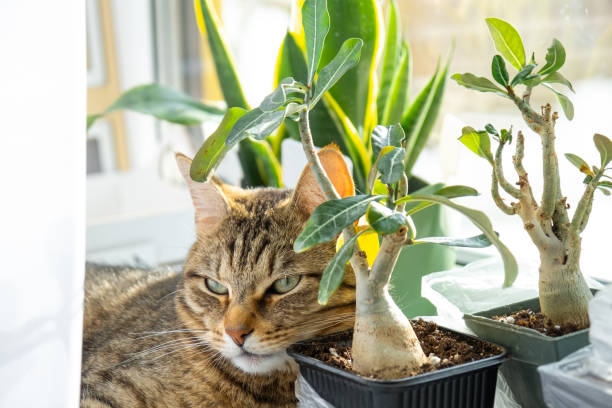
(537, 321)
(451, 348)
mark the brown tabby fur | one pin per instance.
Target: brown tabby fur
(153, 338)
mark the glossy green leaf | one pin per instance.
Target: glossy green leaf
(605, 191)
(507, 42)
(347, 58)
(579, 163)
(491, 129)
(480, 220)
(214, 148)
(498, 70)
(522, 75)
(606, 184)
(383, 136)
(384, 220)
(278, 98)
(558, 78)
(330, 218)
(333, 275)
(228, 78)
(315, 20)
(555, 58)
(399, 92)
(566, 104)
(354, 92)
(481, 84)
(448, 192)
(163, 103)
(478, 241)
(604, 146)
(506, 136)
(477, 141)
(390, 58)
(419, 119)
(391, 165)
(256, 123)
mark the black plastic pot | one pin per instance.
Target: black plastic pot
(469, 385)
(527, 349)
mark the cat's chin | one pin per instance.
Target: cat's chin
(262, 363)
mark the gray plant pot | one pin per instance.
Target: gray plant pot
(527, 349)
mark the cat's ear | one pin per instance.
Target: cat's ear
(308, 195)
(209, 201)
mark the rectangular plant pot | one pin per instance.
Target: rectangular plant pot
(527, 349)
(469, 385)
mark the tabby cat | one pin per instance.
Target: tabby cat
(215, 335)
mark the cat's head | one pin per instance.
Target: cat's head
(244, 285)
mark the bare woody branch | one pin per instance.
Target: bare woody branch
(499, 173)
(517, 160)
(499, 201)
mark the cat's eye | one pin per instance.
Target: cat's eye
(284, 285)
(216, 287)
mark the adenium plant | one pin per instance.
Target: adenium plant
(384, 342)
(564, 294)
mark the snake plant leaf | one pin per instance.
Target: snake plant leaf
(478, 241)
(354, 92)
(507, 41)
(266, 162)
(579, 163)
(422, 114)
(347, 58)
(330, 218)
(390, 58)
(163, 103)
(333, 275)
(391, 165)
(315, 20)
(383, 136)
(498, 70)
(384, 220)
(481, 84)
(604, 146)
(522, 75)
(558, 78)
(564, 101)
(477, 141)
(482, 222)
(214, 148)
(399, 92)
(555, 58)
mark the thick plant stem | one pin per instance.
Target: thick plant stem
(384, 343)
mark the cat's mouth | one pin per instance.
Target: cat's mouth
(260, 363)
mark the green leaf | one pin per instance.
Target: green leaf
(266, 163)
(419, 119)
(92, 118)
(228, 78)
(278, 98)
(399, 91)
(555, 58)
(522, 75)
(491, 129)
(478, 241)
(507, 42)
(498, 70)
(354, 92)
(557, 78)
(390, 59)
(214, 148)
(480, 220)
(604, 146)
(579, 163)
(391, 165)
(605, 183)
(385, 220)
(315, 20)
(481, 84)
(506, 136)
(383, 136)
(330, 218)
(333, 275)
(477, 141)
(566, 104)
(448, 192)
(347, 57)
(605, 191)
(256, 123)
(163, 103)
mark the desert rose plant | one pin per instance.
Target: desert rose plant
(564, 294)
(384, 343)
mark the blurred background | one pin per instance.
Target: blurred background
(138, 212)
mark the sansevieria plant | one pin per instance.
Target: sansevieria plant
(564, 294)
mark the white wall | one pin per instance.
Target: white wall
(42, 210)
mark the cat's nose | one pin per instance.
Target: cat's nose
(238, 335)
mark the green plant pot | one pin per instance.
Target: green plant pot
(527, 349)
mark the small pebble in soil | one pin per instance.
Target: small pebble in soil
(434, 360)
(537, 321)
